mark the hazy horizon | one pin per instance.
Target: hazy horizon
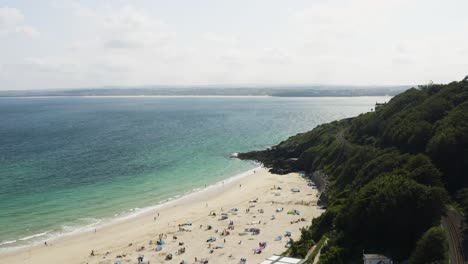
(217, 86)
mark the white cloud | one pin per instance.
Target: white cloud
(220, 39)
(275, 56)
(147, 42)
(12, 22)
(123, 28)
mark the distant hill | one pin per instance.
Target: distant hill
(392, 176)
(292, 91)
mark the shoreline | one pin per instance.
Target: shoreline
(123, 216)
(116, 237)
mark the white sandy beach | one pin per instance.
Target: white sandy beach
(126, 240)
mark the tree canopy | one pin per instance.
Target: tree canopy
(391, 173)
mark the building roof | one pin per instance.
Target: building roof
(282, 260)
(374, 256)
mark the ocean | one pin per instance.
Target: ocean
(68, 164)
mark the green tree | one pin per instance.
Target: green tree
(431, 248)
(389, 215)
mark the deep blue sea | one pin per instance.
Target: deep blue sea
(71, 162)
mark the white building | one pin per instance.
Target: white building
(376, 259)
(283, 260)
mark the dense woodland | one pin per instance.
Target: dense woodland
(392, 174)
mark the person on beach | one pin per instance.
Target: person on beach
(92, 252)
(45, 243)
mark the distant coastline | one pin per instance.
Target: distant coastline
(291, 91)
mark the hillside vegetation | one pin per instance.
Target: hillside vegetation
(391, 174)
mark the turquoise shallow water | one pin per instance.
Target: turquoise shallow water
(68, 162)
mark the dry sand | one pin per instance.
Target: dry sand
(126, 237)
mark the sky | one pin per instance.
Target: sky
(71, 44)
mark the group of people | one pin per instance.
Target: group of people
(181, 249)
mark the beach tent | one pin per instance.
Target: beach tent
(211, 239)
(158, 248)
(287, 234)
(295, 190)
(234, 209)
(294, 212)
(278, 238)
